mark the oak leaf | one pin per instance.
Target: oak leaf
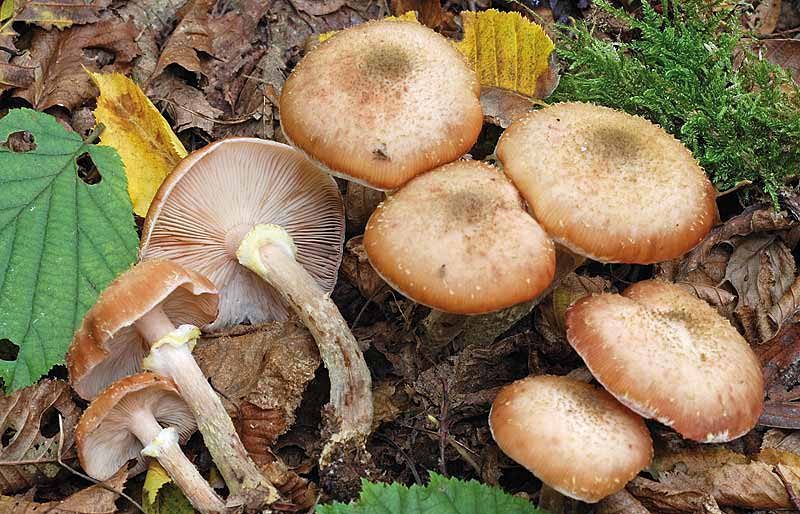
(92, 500)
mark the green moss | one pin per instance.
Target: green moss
(740, 116)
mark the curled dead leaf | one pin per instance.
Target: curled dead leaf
(358, 271)
(95, 499)
(59, 59)
(29, 419)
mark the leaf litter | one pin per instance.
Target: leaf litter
(215, 69)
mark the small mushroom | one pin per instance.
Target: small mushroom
(382, 102)
(144, 415)
(137, 314)
(460, 240)
(267, 226)
(573, 436)
(607, 185)
(669, 356)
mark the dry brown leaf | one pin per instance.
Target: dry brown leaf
(92, 500)
(662, 498)
(765, 17)
(318, 7)
(429, 12)
(60, 56)
(780, 414)
(731, 478)
(29, 416)
(502, 107)
(59, 13)
(621, 502)
(360, 202)
(152, 19)
(757, 218)
(779, 356)
(784, 52)
(266, 368)
(573, 287)
(724, 301)
(761, 269)
(188, 107)
(359, 272)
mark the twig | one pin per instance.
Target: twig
(409, 461)
(444, 426)
(94, 135)
(789, 489)
(27, 462)
(87, 477)
(236, 121)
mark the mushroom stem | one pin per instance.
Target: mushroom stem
(268, 251)
(162, 444)
(154, 325)
(171, 356)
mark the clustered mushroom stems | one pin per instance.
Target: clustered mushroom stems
(162, 444)
(268, 251)
(243, 478)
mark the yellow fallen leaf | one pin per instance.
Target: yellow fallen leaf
(137, 131)
(160, 495)
(509, 52)
(406, 16)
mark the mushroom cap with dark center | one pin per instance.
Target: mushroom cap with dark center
(103, 435)
(217, 194)
(381, 102)
(459, 239)
(670, 356)
(573, 436)
(107, 346)
(608, 185)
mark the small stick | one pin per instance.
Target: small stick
(444, 427)
(87, 477)
(789, 489)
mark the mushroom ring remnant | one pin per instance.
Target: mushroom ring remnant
(460, 240)
(142, 414)
(669, 356)
(607, 185)
(382, 102)
(573, 436)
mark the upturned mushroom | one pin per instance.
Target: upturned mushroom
(142, 415)
(267, 226)
(607, 185)
(132, 326)
(573, 436)
(460, 240)
(669, 356)
(382, 102)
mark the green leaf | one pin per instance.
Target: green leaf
(61, 240)
(441, 496)
(6, 10)
(160, 495)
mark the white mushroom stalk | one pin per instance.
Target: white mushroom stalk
(268, 251)
(171, 356)
(162, 445)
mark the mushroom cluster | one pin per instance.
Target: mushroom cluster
(246, 230)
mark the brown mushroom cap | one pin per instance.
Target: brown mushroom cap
(459, 239)
(381, 102)
(107, 346)
(217, 194)
(670, 356)
(608, 185)
(573, 436)
(103, 437)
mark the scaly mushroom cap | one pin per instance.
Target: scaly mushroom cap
(670, 356)
(608, 185)
(573, 436)
(107, 347)
(459, 239)
(217, 194)
(103, 436)
(381, 102)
